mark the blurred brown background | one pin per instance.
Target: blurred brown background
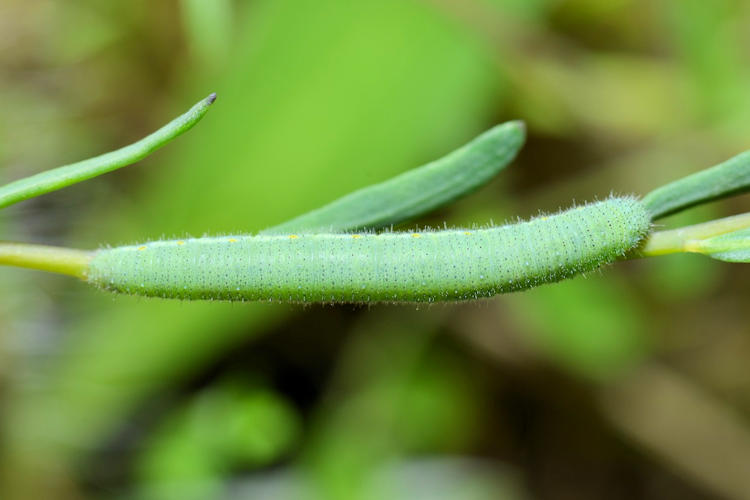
(628, 383)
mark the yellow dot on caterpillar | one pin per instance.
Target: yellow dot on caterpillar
(467, 233)
(356, 236)
(293, 236)
(142, 248)
(415, 235)
(180, 242)
(232, 240)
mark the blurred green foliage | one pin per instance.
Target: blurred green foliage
(511, 398)
(227, 427)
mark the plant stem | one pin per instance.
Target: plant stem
(46, 258)
(75, 262)
(685, 239)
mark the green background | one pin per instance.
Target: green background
(627, 383)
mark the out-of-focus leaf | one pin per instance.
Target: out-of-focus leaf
(708, 38)
(225, 428)
(437, 477)
(591, 326)
(210, 30)
(80, 31)
(445, 478)
(395, 396)
(642, 96)
(681, 423)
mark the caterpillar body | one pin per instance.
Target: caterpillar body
(449, 265)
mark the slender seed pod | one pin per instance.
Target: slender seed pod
(429, 266)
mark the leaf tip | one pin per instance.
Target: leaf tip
(517, 126)
(521, 126)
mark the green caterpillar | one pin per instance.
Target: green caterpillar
(387, 267)
(317, 257)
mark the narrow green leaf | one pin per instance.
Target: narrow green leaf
(417, 191)
(688, 238)
(720, 181)
(58, 178)
(730, 247)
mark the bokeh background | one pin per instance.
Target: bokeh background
(628, 383)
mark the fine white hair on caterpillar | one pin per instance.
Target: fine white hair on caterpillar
(432, 266)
